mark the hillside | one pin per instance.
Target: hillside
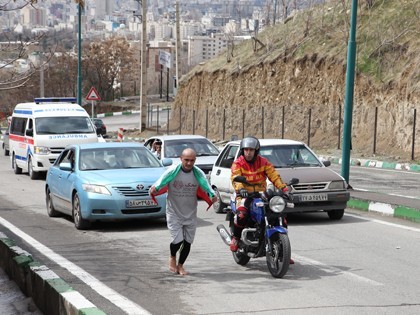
(298, 67)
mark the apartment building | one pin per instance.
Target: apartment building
(202, 48)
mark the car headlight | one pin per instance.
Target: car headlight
(339, 184)
(277, 204)
(41, 150)
(96, 189)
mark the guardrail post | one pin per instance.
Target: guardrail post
(414, 134)
(157, 119)
(309, 126)
(339, 127)
(224, 123)
(262, 122)
(282, 122)
(193, 123)
(243, 123)
(375, 128)
(207, 123)
(167, 121)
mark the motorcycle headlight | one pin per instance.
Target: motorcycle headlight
(96, 189)
(277, 204)
(41, 150)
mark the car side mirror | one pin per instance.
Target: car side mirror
(65, 166)
(167, 162)
(293, 181)
(30, 132)
(326, 163)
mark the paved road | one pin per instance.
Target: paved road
(359, 264)
(384, 181)
(113, 123)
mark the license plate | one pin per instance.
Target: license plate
(314, 197)
(139, 203)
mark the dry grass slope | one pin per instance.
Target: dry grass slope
(301, 65)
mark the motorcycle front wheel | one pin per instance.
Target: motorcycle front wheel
(278, 260)
(240, 258)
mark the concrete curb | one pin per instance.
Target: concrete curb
(396, 211)
(375, 163)
(129, 112)
(51, 294)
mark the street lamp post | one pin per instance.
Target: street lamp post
(79, 55)
(348, 103)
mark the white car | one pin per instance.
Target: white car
(172, 147)
(319, 188)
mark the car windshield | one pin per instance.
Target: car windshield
(116, 158)
(289, 156)
(63, 125)
(203, 147)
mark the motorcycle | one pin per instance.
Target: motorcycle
(266, 233)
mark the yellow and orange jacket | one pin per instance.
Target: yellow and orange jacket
(255, 173)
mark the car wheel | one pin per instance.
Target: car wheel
(218, 206)
(16, 168)
(32, 173)
(335, 214)
(6, 152)
(79, 222)
(50, 207)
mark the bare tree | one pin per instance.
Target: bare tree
(106, 63)
(13, 50)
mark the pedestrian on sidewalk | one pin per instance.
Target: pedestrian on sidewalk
(185, 184)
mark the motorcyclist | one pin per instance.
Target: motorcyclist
(256, 169)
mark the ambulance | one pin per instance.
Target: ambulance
(40, 130)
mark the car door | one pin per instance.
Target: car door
(53, 181)
(64, 182)
(220, 175)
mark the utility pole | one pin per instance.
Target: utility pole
(177, 47)
(348, 103)
(79, 53)
(143, 68)
(143, 89)
(275, 12)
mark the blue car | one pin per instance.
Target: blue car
(104, 181)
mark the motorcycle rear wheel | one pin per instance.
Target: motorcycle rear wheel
(278, 260)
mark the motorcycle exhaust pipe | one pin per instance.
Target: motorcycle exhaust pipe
(244, 237)
(224, 234)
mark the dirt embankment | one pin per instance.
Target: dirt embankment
(312, 86)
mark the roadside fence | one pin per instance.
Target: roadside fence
(223, 124)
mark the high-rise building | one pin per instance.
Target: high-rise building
(104, 8)
(33, 17)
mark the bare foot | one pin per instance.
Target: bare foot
(181, 270)
(172, 264)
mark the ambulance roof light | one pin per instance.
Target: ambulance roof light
(38, 100)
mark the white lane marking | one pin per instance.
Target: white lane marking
(349, 275)
(114, 297)
(409, 228)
